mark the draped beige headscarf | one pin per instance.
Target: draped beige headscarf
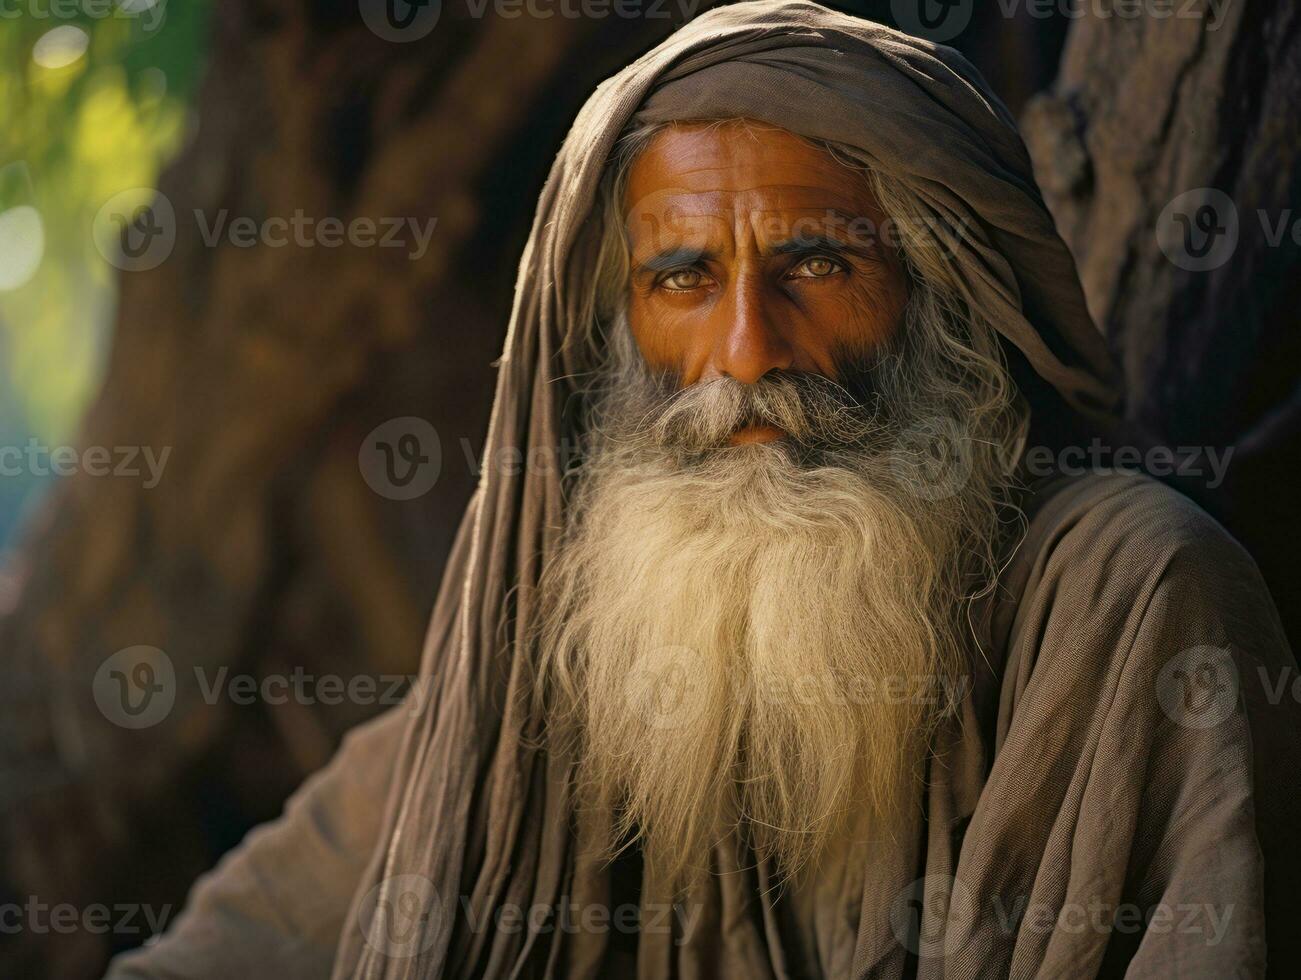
(473, 807)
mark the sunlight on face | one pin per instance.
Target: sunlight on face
(752, 251)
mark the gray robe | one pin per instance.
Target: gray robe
(1092, 769)
(1112, 795)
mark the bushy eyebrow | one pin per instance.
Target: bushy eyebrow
(672, 258)
(813, 243)
(687, 255)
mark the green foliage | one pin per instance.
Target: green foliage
(95, 98)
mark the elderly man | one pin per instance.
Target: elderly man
(787, 667)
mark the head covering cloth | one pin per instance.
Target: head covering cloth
(475, 806)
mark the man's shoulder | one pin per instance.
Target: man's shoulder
(1127, 527)
(1120, 584)
(1118, 567)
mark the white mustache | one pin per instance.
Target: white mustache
(814, 411)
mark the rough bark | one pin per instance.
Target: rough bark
(1145, 110)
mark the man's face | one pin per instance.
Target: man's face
(754, 251)
(755, 467)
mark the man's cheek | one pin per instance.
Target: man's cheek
(658, 341)
(869, 317)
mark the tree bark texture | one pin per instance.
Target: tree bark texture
(1193, 116)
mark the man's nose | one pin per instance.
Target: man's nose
(748, 344)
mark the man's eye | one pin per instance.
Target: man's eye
(683, 279)
(816, 267)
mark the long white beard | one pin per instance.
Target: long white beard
(741, 639)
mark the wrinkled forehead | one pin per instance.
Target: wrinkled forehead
(716, 184)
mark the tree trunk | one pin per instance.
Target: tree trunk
(1156, 131)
